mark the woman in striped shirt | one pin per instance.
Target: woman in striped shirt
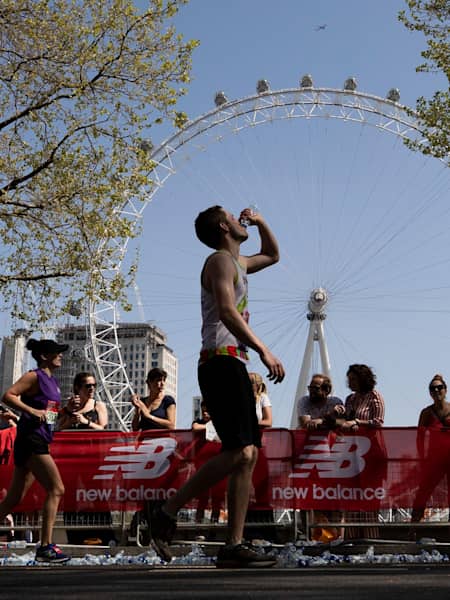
(364, 408)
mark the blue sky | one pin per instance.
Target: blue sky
(353, 210)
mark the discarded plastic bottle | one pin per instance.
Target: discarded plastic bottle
(17, 544)
(245, 222)
(28, 532)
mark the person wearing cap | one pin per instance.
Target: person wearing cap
(37, 397)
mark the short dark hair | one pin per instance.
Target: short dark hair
(80, 378)
(365, 376)
(326, 381)
(207, 226)
(155, 374)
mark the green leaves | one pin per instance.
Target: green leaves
(81, 81)
(432, 18)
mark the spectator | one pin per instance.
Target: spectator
(260, 509)
(435, 464)
(157, 410)
(204, 425)
(84, 411)
(364, 408)
(36, 395)
(263, 404)
(8, 418)
(316, 411)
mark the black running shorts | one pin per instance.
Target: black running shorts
(27, 444)
(228, 394)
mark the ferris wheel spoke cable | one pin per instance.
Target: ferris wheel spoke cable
(343, 199)
(358, 220)
(404, 274)
(366, 260)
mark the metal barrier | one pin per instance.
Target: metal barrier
(128, 529)
(398, 521)
(287, 526)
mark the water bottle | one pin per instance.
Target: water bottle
(17, 544)
(28, 532)
(245, 222)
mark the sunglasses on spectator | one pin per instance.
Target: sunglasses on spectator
(89, 385)
(317, 387)
(437, 388)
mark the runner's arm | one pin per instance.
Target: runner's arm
(269, 251)
(27, 384)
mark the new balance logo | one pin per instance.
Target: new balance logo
(342, 460)
(149, 460)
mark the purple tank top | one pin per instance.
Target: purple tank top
(48, 398)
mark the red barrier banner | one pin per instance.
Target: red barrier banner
(369, 470)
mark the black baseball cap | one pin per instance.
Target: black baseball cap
(46, 346)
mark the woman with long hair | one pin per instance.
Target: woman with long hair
(83, 410)
(263, 404)
(37, 397)
(364, 407)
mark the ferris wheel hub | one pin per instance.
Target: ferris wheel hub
(318, 299)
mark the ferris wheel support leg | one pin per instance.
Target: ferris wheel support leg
(304, 373)
(324, 357)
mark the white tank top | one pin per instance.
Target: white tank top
(216, 339)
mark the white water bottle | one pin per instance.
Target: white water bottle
(17, 544)
(28, 532)
(245, 222)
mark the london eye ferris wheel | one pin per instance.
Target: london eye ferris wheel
(361, 220)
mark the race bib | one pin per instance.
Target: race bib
(51, 414)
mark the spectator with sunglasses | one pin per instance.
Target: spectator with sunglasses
(436, 416)
(315, 411)
(83, 410)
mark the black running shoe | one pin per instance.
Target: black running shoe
(243, 556)
(162, 529)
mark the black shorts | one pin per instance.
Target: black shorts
(228, 394)
(27, 444)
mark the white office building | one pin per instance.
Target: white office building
(14, 358)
